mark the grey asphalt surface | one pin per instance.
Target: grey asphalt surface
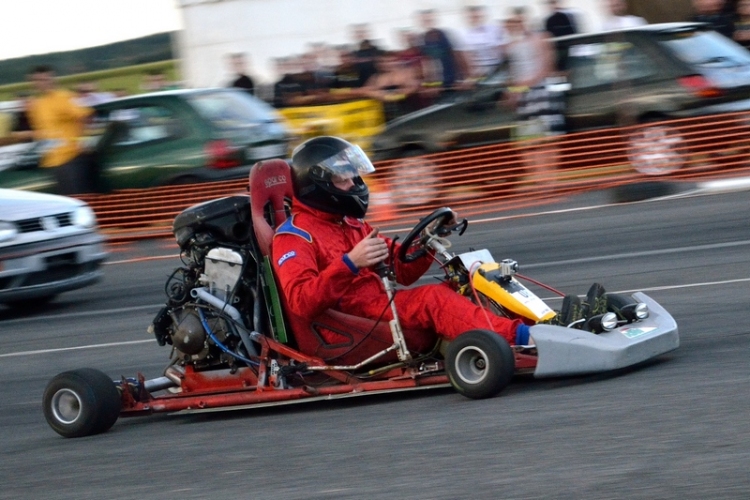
(676, 427)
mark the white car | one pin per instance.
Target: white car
(48, 245)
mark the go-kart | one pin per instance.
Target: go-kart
(233, 344)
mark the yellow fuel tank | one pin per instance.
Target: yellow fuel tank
(510, 293)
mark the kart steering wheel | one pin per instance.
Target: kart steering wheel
(442, 215)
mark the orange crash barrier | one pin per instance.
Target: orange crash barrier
(487, 179)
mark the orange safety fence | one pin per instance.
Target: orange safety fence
(487, 179)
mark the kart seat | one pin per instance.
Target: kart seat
(270, 196)
(333, 335)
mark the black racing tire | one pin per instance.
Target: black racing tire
(28, 304)
(616, 301)
(81, 403)
(480, 364)
(184, 180)
(639, 191)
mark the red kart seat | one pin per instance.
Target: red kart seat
(270, 193)
(334, 336)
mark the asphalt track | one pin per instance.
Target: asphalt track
(676, 427)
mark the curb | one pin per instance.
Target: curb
(646, 190)
(724, 185)
(640, 191)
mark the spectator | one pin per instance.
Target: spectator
(483, 43)
(21, 129)
(154, 81)
(347, 74)
(395, 85)
(559, 22)
(328, 58)
(742, 26)
(619, 18)
(442, 65)
(238, 63)
(539, 112)
(287, 88)
(311, 84)
(712, 13)
(366, 51)
(89, 95)
(411, 55)
(60, 122)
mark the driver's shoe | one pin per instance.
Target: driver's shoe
(570, 311)
(596, 301)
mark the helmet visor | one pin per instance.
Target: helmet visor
(346, 164)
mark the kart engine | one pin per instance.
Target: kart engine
(210, 301)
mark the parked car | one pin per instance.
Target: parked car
(48, 245)
(638, 75)
(173, 137)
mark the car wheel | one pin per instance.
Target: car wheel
(27, 304)
(654, 149)
(415, 180)
(183, 180)
(81, 402)
(479, 363)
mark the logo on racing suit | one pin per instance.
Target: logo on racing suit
(275, 181)
(286, 257)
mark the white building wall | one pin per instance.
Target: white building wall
(267, 29)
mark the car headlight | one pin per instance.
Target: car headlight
(8, 231)
(83, 216)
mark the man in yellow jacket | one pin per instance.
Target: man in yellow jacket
(60, 123)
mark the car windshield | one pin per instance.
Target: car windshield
(232, 110)
(706, 49)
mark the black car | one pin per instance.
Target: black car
(625, 77)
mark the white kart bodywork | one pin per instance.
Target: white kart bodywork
(568, 351)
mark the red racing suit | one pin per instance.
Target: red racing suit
(308, 251)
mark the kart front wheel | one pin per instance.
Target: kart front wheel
(480, 364)
(81, 402)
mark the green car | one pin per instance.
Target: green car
(171, 137)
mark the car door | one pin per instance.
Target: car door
(480, 118)
(605, 74)
(156, 144)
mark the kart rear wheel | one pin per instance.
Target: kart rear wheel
(480, 364)
(81, 402)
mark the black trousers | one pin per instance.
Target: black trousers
(78, 176)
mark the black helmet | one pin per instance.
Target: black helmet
(317, 162)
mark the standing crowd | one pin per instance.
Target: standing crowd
(431, 65)
(433, 62)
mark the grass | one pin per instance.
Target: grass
(127, 79)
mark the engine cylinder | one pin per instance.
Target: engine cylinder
(189, 336)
